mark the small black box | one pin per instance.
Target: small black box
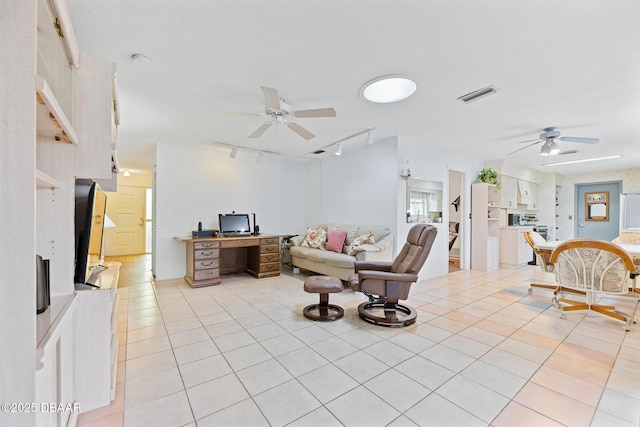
(204, 233)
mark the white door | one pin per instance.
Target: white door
(126, 208)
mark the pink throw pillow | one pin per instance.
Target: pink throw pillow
(336, 240)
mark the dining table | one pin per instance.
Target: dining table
(632, 249)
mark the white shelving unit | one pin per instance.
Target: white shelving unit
(485, 227)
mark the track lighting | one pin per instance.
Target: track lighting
(339, 150)
(126, 173)
(233, 153)
(369, 139)
(260, 156)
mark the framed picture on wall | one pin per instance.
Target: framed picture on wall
(596, 206)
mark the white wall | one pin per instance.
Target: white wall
(363, 186)
(17, 209)
(358, 187)
(195, 184)
(433, 164)
(630, 184)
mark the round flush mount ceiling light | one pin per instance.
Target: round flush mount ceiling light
(387, 89)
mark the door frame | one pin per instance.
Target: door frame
(462, 228)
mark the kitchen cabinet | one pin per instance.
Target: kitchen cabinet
(528, 194)
(509, 192)
(514, 249)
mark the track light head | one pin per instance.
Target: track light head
(339, 150)
(369, 139)
(234, 152)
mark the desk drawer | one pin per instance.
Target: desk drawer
(206, 263)
(266, 268)
(241, 243)
(267, 258)
(269, 249)
(212, 273)
(206, 253)
(206, 245)
(269, 241)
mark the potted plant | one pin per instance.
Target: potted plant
(489, 176)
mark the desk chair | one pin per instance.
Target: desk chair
(542, 257)
(594, 266)
(391, 281)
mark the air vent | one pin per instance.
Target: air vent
(318, 152)
(480, 93)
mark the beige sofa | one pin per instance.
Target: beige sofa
(341, 264)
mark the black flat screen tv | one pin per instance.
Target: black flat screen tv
(234, 223)
(91, 204)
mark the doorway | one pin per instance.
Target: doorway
(127, 209)
(456, 223)
(597, 210)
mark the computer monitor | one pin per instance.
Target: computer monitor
(234, 223)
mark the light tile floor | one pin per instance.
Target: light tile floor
(483, 352)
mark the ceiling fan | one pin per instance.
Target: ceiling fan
(279, 111)
(551, 136)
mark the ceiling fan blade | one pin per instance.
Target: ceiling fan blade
(532, 140)
(316, 112)
(262, 129)
(578, 139)
(567, 152)
(523, 148)
(300, 131)
(236, 113)
(273, 99)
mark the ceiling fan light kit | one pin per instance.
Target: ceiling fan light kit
(550, 136)
(278, 111)
(388, 89)
(550, 148)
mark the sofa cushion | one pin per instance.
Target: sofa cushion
(316, 239)
(332, 259)
(335, 243)
(379, 232)
(351, 229)
(365, 239)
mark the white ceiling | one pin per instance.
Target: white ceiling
(573, 64)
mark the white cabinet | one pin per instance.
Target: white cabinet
(96, 341)
(509, 192)
(55, 360)
(493, 253)
(93, 119)
(524, 192)
(485, 226)
(528, 194)
(514, 249)
(534, 203)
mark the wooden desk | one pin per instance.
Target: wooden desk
(210, 257)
